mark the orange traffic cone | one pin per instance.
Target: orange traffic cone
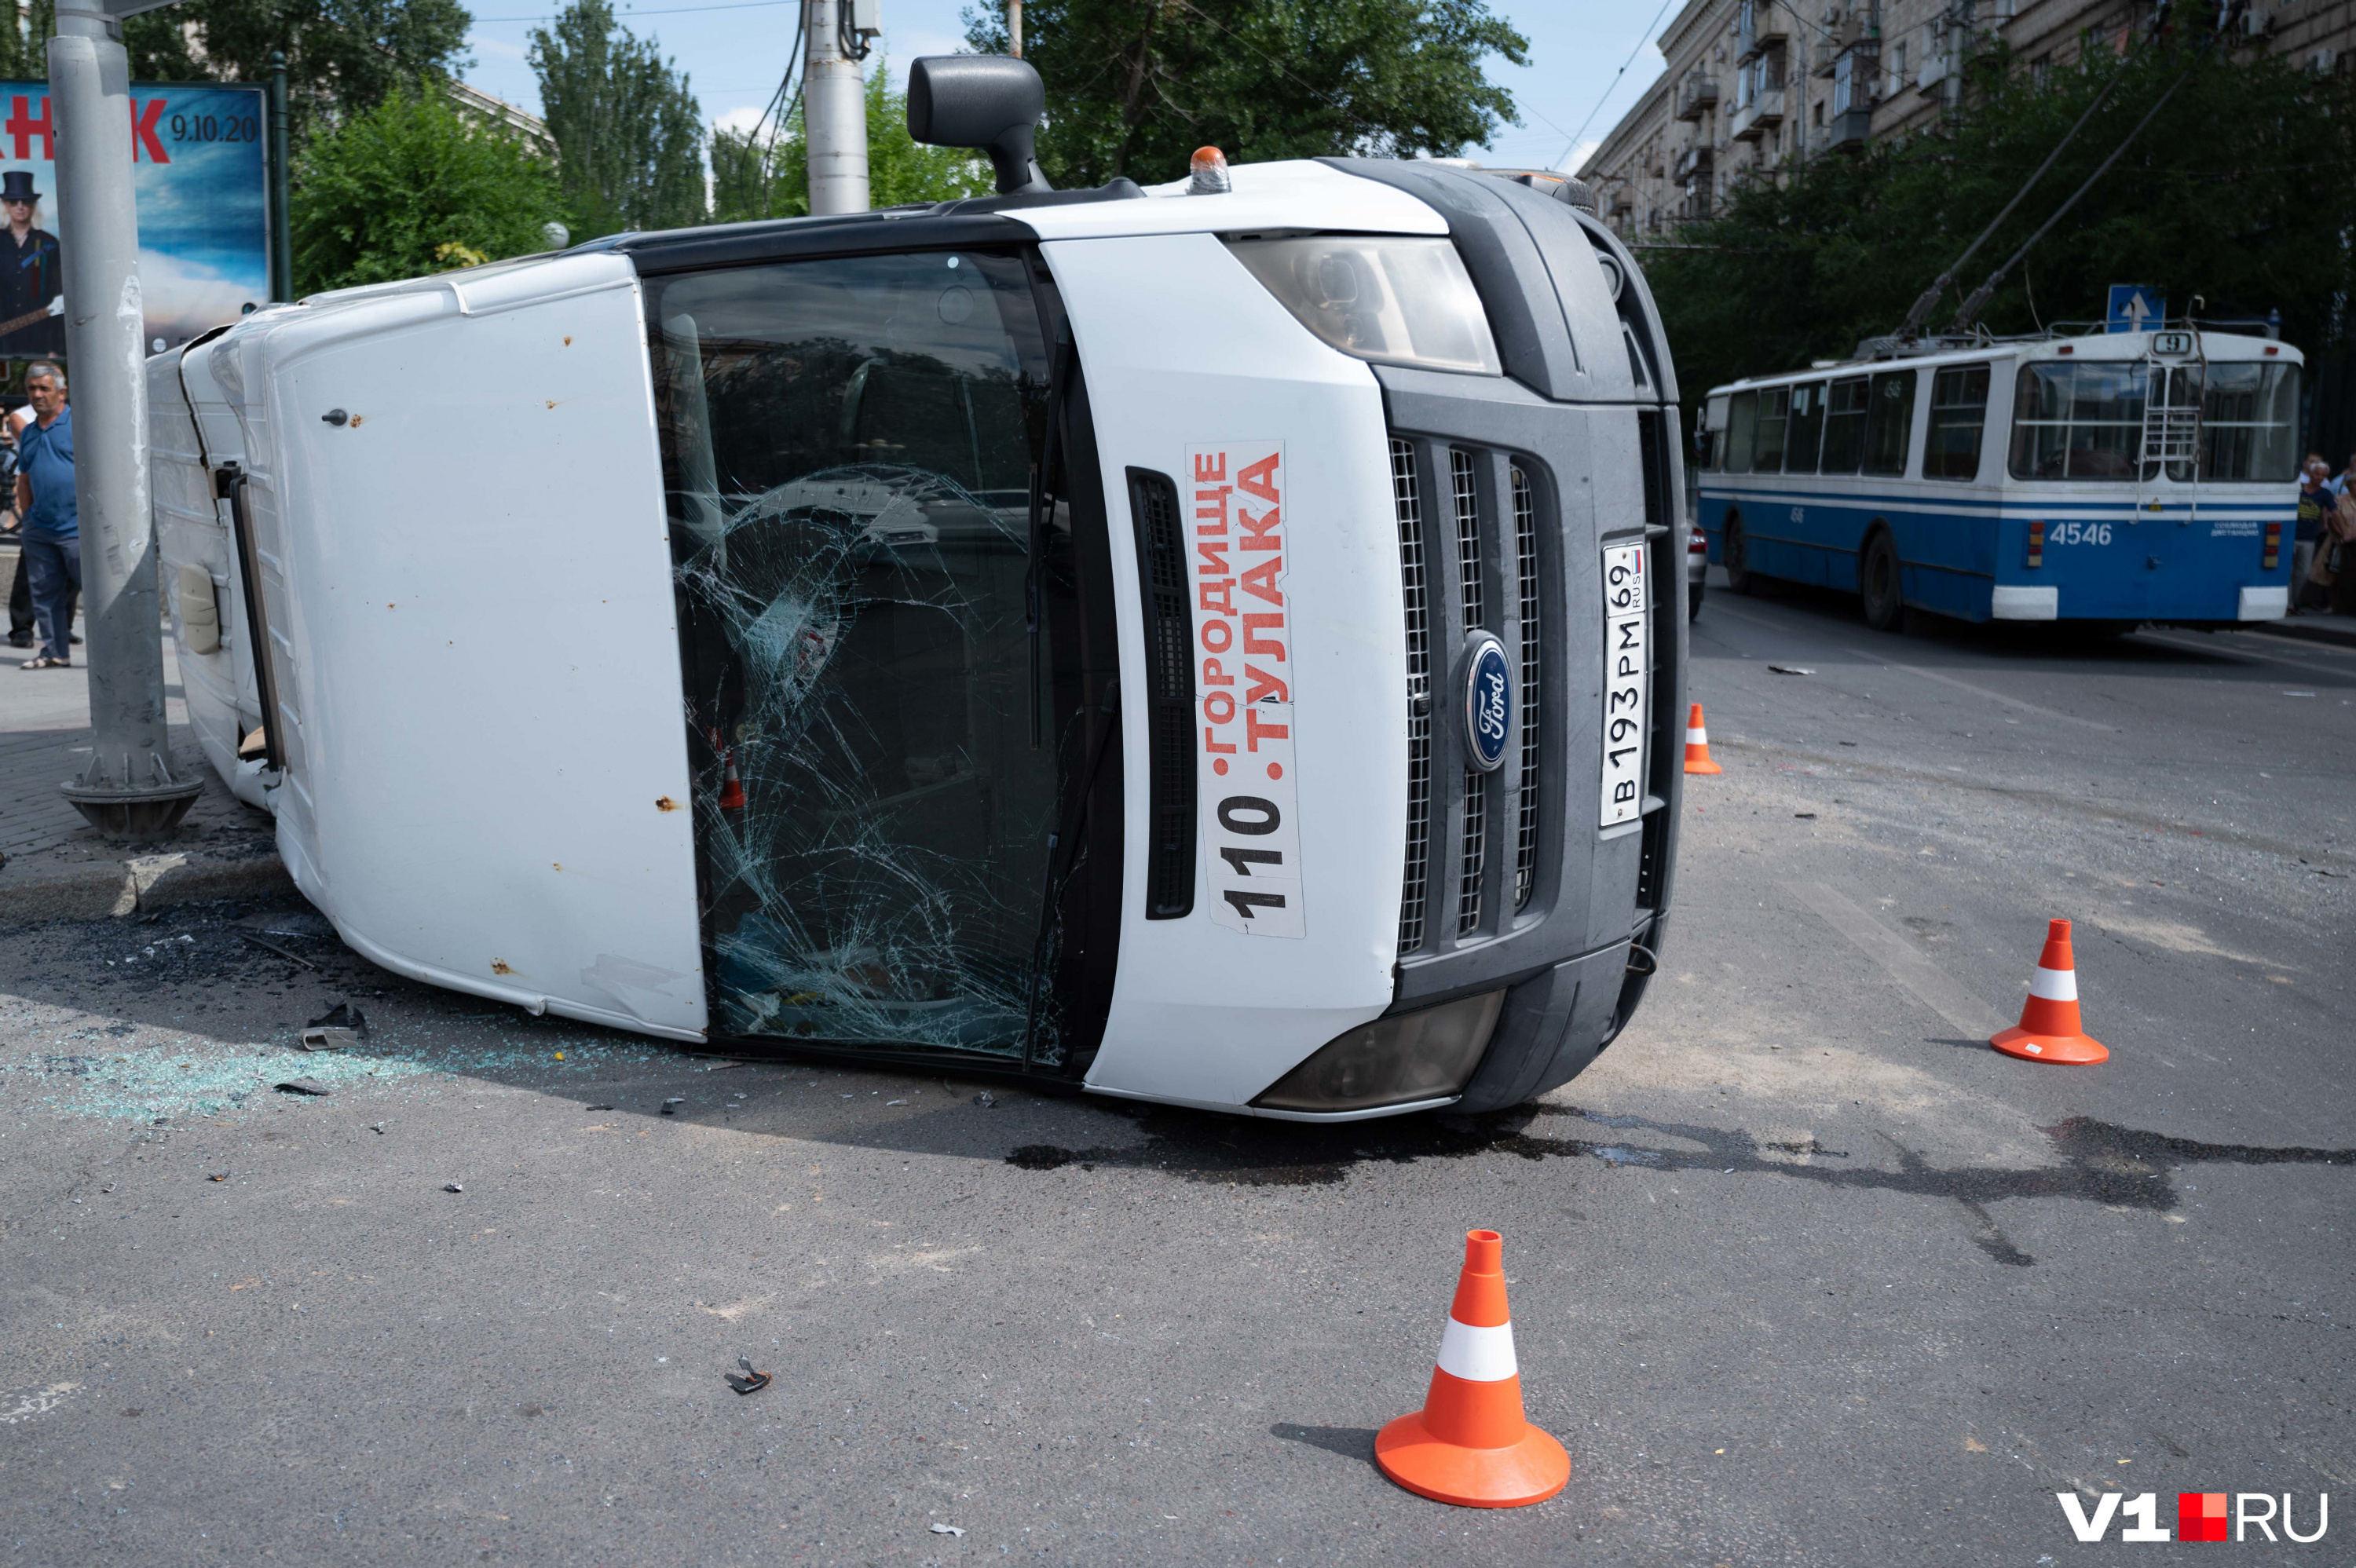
(1469, 1444)
(2050, 1030)
(732, 788)
(1697, 745)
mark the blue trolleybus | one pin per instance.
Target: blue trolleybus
(2112, 478)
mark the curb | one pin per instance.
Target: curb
(100, 889)
(2301, 630)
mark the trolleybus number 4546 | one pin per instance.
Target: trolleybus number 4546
(2077, 533)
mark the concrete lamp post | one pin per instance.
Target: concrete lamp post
(131, 789)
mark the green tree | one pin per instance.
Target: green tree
(412, 186)
(24, 41)
(343, 57)
(751, 179)
(2230, 195)
(1135, 86)
(629, 134)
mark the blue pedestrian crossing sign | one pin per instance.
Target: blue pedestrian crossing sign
(2135, 307)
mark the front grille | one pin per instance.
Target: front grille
(1407, 498)
(1473, 859)
(1526, 560)
(1469, 561)
(1170, 723)
(1464, 495)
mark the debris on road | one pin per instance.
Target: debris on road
(452, 1186)
(222, 1177)
(376, 1126)
(1791, 670)
(273, 947)
(303, 1086)
(671, 1106)
(940, 1528)
(985, 1099)
(597, 1107)
(340, 1026)
(750, 1382)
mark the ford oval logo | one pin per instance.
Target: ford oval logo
(1488, 702)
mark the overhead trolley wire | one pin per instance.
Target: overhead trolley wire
(1968, 315)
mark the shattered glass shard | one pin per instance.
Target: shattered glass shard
(850, 475)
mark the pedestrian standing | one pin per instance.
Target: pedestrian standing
(20, 590)
(2314, 498)
(52, 522)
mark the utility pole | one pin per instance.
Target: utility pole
(837, 34)
(130, 790)
(1014, 28)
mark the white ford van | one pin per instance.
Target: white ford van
(1222, 647)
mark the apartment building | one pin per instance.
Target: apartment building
(1753, 86)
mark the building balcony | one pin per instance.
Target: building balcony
(1697, 95)
(1761, 115)
(1693, 161)
(1762, 23)
(1847, 132)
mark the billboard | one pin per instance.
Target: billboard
(202, 187)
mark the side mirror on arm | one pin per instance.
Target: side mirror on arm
(992, 102)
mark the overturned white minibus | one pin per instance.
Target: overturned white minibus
(1217, 647)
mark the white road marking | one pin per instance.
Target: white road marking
(2007, 701)
(1930, 984)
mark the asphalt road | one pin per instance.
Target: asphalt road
(1802, 1272)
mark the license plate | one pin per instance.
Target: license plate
(1625, 600)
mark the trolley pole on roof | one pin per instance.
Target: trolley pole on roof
(131, 789)
(834, 101)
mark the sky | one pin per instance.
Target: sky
(733, 52)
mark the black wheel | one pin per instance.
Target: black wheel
(1734, 555)
(1876, 583)
(1693, 602)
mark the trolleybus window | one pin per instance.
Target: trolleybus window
(2247, 415)
(1844, 403)
(1890, 424)
(1804, 434)
(1767, 455)
(1958, 409)
(847, 447)
(1742, 425)
(2079, 420)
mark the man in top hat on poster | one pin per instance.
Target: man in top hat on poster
(31, 275)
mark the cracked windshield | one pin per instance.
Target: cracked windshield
(848, 454)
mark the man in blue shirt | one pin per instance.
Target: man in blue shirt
(45, 499)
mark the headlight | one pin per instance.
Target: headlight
(1394, 1060)
(1399, 301)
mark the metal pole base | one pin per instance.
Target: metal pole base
(141, 812)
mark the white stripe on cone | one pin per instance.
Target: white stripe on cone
(2054, 985)
(1478, 1355)
(1696, 736)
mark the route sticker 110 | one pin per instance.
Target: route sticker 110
(1250, 808)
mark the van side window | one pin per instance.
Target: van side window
(1802, 436)
(1890, 423)
(1741, 426)
(1767, 451)
(1844, 403)
(1958, 411)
